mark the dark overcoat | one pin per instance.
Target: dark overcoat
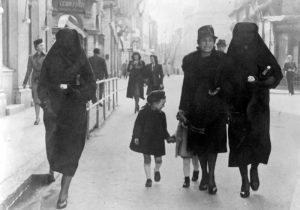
(154, 76)
(136, 79)
(249, 127)
(65, 115)
(204, 111)
(99, 67)
(150, 128)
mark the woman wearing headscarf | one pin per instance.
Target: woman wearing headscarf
(290, 68)
(256, 71)
(154, 75)
(203, 105)
(135, 88)
(66, 84)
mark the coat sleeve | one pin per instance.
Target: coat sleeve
(139, 125)
(43, 84)
(186, 87)
(87, 89)
(166, 133)
(29, 70)
(276, 75)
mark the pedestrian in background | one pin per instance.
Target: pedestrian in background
(221, 45)
(100, 71)
(66, 84)
(135, 88)
(124, 69)
(187, 156)
(154, 75)
(202, 105)
(34, 67)
(150, 132)
(290, 68)
(256, 71)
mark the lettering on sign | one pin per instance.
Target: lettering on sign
(77, 6)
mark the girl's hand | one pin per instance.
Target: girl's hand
(63, 86)
(136, 141)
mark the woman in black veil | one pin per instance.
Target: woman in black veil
(256, 71)
(66, 84)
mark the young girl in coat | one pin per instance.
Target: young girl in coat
(187, 156)
(150, 132)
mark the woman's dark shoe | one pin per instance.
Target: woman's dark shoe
(148, 183)
(212, 189)
(195, 176)
(156, 176)
(203, 183)
(186, 183)
(254, 179)
(137, 109)
(245, 190)
(61, 204)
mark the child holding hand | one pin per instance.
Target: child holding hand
(150, 132)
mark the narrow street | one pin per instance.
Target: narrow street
(111, 176)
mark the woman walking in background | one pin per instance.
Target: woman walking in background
(256, 71)
(66, 84)
(34, 67)
(154, 75)
(290, 68)
(135, 88)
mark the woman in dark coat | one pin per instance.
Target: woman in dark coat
(154, 75)
(203, 105)
(256, 71)
(66, 84)
(135, 88)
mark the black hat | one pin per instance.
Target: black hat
(37, 42)
(96, 51)
(206, 30)
(155, 96)
(221, 42)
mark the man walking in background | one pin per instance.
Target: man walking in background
(100, 70)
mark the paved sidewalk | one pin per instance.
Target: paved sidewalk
(110, 176)
(22, 149)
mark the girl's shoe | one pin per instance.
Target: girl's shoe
(195, 176)
(245, 189)
(36, 122)
(148, 183)
(61, 204)
(157, 176)
(254, 179)
(50, 178)
(186, 183)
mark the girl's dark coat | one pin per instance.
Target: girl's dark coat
(65, 115)
(151, 129)
(249, 127)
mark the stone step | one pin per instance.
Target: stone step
(14, 108)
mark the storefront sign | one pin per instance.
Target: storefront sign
(74, 6)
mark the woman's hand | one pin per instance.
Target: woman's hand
(63, 86)
(180, 116)
(137, 141)
(251, 79)
(214, 92)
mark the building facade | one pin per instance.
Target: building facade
(115, 26)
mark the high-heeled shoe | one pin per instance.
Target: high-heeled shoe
(245, 190)
(195, 176)
(212, 188)
(61, 204)
(254, 179)
(203, 183)
(36, 122)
